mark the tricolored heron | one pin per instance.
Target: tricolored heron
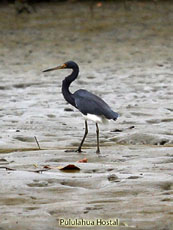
(91, 106)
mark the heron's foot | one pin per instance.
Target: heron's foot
(78, 150)
(73, 150)
(98, 151)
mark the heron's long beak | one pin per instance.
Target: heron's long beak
(55, 68)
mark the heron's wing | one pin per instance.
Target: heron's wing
(88, 103)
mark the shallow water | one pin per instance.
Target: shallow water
(125, 56)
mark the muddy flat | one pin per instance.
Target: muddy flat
(124, 52)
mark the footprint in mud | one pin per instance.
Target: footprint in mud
(4, 87)
(119, 160)
(161, 142)
(167, 200)
(168, 161)
(140, 114)
(157, 121)
(25, 85)
(168, 185)
(95, 171)
(13, 201)
(113, 178)
(95, 207)
(51, 115)
(134, 177)
(76, 183)
(130, 156)
(167, 120)
(25, 138)
(38, 184)
(3, 161)
(31, 208)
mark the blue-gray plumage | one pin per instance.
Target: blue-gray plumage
(87, 102)
(91, 106)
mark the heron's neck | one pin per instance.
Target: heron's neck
(66, 84)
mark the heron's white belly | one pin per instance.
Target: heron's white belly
(95, 118)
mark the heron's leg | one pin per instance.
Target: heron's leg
(97, 131)
(83, 139)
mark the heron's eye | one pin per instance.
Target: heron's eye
(64, 65)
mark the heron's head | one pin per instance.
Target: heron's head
(66, 65)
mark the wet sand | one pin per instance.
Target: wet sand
(125, 56)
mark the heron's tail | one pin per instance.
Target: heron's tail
(115, 115)
(111, 115)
